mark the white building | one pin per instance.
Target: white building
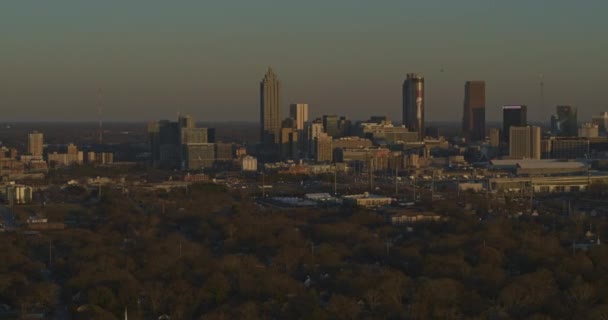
(299, 112)
(249, 163)
(367, 200)
(18, 194)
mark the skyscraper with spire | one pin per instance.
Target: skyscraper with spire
(270, 110)
(413, 104)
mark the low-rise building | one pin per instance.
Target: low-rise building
(546, 184)
(367, 200)
(249, 163)
(398, 217)
(475, 187)
(538, 167)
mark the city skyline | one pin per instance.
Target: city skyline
(303, 159)
(204, 60)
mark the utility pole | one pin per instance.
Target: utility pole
(531, 195)
(588, 176)
(433, 186)
(50, 253)
(99, 109)
(180, 248)
(335, 180)
(414, 188)
(369, 172)
(263, 186)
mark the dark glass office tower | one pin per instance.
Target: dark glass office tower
(474, 114)
(413, 104)
(513, 116)
(565, 123)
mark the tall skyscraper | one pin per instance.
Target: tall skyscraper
(513, 116)
(524, 142)
(413, 104)
(565, 123)
(474, 115)
(299, 112)
(35, 143)
(330, 125)
(495, 137)
(186, 122)
(270, 109)
(314, 130)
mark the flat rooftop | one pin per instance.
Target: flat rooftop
(538, 164)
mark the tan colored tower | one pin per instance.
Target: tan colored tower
(299, 112)
(35, 143)
(524, 142)
(494, 137)
(270, 109)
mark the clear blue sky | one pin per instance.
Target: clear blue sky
(154, 58)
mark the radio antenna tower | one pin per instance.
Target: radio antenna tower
(542, 92)
(99, 109)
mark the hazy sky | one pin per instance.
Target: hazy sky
(152, 59)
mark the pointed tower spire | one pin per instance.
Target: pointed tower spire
(270, 73)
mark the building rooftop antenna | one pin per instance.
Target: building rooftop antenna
(99, 110)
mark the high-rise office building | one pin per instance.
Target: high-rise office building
(344, 127)
(35, 143)
(513, 116)
(186, 122)
(289, 144)
(299, 112)
(568, 148)
(589, 130)
(494, 137)
(565, 122)
(413, 104)
(601, 121)
(330, 125)
(197, 156)
(197, 135)
(524, 142)
(270, 109)
(322, 147)
(474, 115)
(169, 142)
(313, 131)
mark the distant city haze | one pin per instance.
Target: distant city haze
(153, 59)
